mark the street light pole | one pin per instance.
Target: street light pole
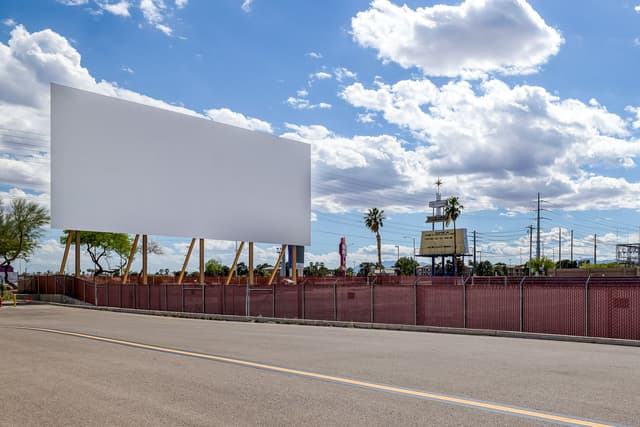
(398, 248)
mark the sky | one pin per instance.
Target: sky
(501, 99)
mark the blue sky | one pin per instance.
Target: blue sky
(501, 99)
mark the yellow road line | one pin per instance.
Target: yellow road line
(542, 416)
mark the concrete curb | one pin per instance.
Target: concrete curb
(360, 325)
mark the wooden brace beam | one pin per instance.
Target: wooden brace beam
(132, 254)
(232, 270)
(186, 261)
(70, 234)
(277, 266)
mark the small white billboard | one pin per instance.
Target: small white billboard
(119, 166)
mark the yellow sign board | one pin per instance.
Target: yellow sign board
(440, 242)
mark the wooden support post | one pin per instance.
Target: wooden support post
(70, 234)
(186, 261)
(294, 264)
(277, 266)
(251, 263)
(132, 254)
(144, 259)
(202, 261)
(232, 270)
(77, 233)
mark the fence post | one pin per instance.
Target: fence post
(521, 303)
(120, 295)
(84, 290)
(107, 286)
(586, 306)
(273, 299)
(182, 299)
(373, 314)
(135, 296)
(247, 308)
(95, 292)
(203, 300)
(415, 302)
(166, 298)
(464, 304)
(303, 301)
(335, 300)
(149, 293)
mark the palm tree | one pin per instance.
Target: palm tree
(373, 220)
(452, 211)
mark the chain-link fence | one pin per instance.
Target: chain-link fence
(592, 306)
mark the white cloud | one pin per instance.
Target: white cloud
(320, 75)
(305, 104)
(127, 69)
(28, 63)
(119, 9)
(152, 10)
(637, 9)
(224, 115)
(493, 141)
(15, 193)
(9, 22)
(366, 117)
(470, 39)
(246, 5)
(314, 55)
(342, 73)
(302, 93)
(73, 2)
(165, 29)
(156, 13)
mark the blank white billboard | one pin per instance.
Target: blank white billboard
(119, 166)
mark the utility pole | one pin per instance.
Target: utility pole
(559, 246)
(474, 252)
(538, 233)
(530, 245)
(571, 247)
(595, 247)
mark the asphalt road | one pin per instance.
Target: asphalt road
(307, 375)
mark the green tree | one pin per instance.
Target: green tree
(407, 266)
(373, 220)
(20, 228)
(214, 267)
(316, 269)
(541, 265)
(101, 246)
(484, 268)
(365, 268)
(500, 268)
(263, 270)
(242, 269)
(452, 211)
(565, 263)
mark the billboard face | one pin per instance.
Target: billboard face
(119, 166)
(440, 242)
